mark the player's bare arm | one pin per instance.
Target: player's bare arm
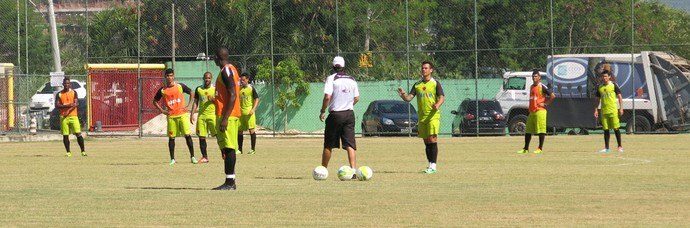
(194, 106)
(620, 105)
(256, 104)
(439, 102)
(324, 105)
(406, 98)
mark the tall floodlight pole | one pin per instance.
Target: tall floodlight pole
(54, 38)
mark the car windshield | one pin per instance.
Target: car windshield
(471, 106)
(395, 108)
(517, 83)
(47, 89)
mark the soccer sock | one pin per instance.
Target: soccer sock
(607, 135)
(253, 137)
(428, 152)
(434, 153)
(171, 148)
(190, 144)
(80, 140)
(202, 145)
(617, 132)
(541, 140)
(65, 140)
(229, 162)
(528, 137)
(230, 179)
(240, 141)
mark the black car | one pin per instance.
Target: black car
(82, 115)
(490, 118)
(389, 117)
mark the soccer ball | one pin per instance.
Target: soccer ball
(345, 173)
(320, 173)
(364, 173)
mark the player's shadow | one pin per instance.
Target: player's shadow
(146, 163)
(38, 155)
(396, 171)
(281, 178)
(166, 188)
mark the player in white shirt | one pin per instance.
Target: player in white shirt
(340, 96)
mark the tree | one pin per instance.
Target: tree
(113, 36)
(245, 30)
(157, 27)
(290, 83)
(36, 31)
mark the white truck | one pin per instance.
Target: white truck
(655, 87)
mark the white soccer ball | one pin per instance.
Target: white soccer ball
(345, 173)
(320, 173)
(364, 173)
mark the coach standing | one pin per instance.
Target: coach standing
(340, 96)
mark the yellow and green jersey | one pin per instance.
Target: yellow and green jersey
(206, 108)
(609, 95)
(247, 96)
(427, 94)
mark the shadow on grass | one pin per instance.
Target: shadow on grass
(281, 178)
(150, 163)
(396, 171)
(165, 188)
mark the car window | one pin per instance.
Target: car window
(402, 108)
(517, 83)
(75, 85)
(471, 106)
(395, 108)
(47, 89)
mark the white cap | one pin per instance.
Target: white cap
(338, 61)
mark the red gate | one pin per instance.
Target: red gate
(114, 94)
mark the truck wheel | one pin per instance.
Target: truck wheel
(641, 124)
(517, 125)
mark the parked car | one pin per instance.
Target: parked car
(389, 117)
(44, 99)
(54, 119)
(487, 113)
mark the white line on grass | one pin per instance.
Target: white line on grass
(636, 161)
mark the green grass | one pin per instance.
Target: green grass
(481, 182)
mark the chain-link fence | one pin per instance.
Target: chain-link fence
(480, 51)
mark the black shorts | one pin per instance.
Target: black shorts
(340, 126)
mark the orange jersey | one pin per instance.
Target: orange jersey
(537, 94)
(174, 98)
(66, 98)
(222, 95)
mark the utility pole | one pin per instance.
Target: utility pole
(54, 38)
(57, 75)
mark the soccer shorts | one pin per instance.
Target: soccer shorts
(178, 125)
(206, 124)
(610, 120)
(247, 122)
(426, 129)
(69, 124)
(340, 127)
(536, 122)
(228, 139)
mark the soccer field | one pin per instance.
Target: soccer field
(481, 182)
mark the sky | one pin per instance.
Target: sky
(679, 4)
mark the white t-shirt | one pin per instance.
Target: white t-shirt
(343, 90)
